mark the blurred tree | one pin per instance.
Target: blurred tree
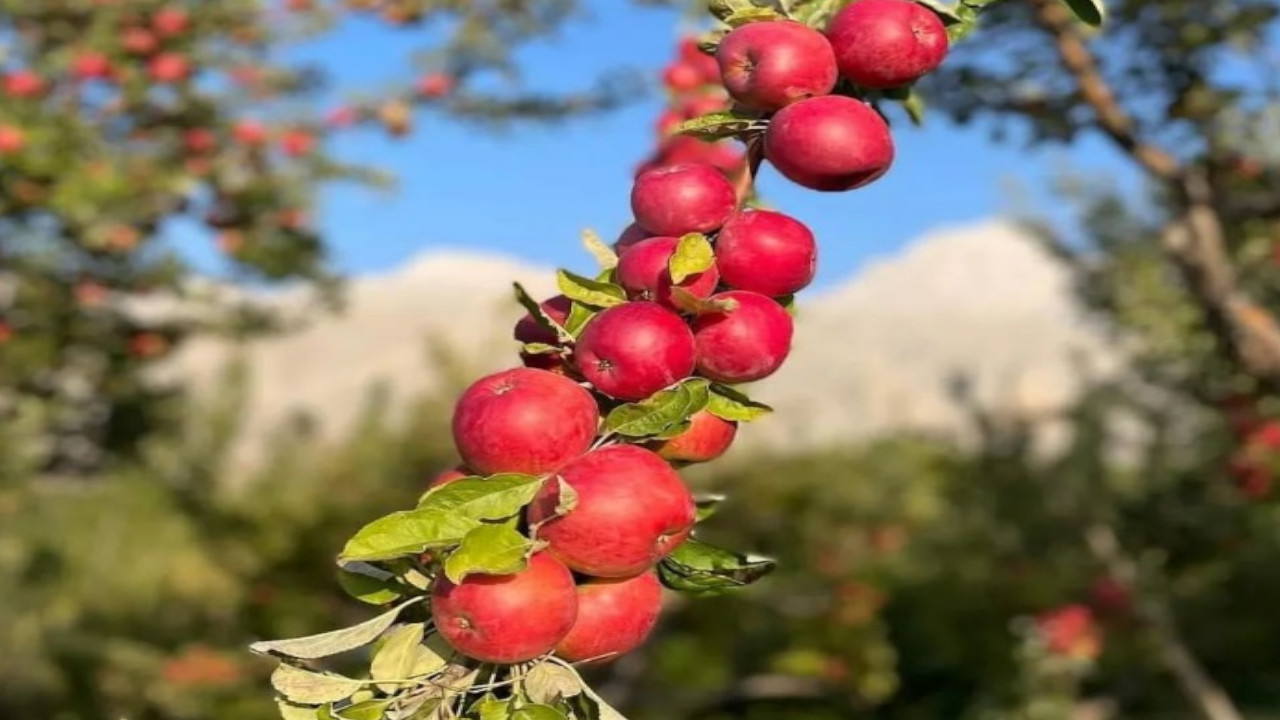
(125, 122)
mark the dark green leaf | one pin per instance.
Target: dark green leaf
(701, 569)
(305, 687)
(1090, 12)
(536, 312)
(323, 645)
(369, 584)
(660, 411)
(492, 498)
(408, 532)
(708, 504)
(730, 404)
(369, 710)
(589, 292)
(541, 349)
(489, 550)
(693, 255)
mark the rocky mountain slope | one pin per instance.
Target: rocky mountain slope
(979, 304)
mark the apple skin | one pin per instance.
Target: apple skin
(645, 274)
(630, 237)
(887, 43)
(12, 140)
(615, 616)
(633, 510)
(679, 199)
(766, 252)
(769, 65)
(829, 144)
(451, 474)
(746, 344)
(169, 67)
(708, 437)
(523, 420)
(633, 350)
(507, 618)
(528, 330)
(682, 77)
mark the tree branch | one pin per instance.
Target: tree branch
(1195, 682)
(1194, 238)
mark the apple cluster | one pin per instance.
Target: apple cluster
(698, 295)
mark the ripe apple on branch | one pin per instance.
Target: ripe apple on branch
(550, 544)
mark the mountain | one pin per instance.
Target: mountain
(979, 303)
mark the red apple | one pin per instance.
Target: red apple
(633, 350)
(630, 237)
(668, 122)
(829, 143)
(23, 84)
(170, 22)
(614, 618)
(297, 143)
(632, 511)
(766, 252)
(682, 199)
(199, 141)
(250, 132)
(682, 77)
(451, 474)
(138, 41)
(12, 140)
(528, 330)
(1070, 630)
(745, 344)
(434, 86)
(91, 65)
(507, 619)
(645, 274)
(523, 421)
(769, 65)
(169, 67)
(887, 43)
(708, 437)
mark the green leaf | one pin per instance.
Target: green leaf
(547, 683)
(694, 305)
(693, 255)
(489, 550)
(579, 316)
(730, 404)
(660, 411)
(598, 708)
(402, 655)
(369, 584)
(721, 125)
(290, 711)
(726, 10)
(420, 707)
(542, 349)
(589, 292)
(312, 688)
(599, 249)
(541, 317)
(1090, 12)
(914, 105)
(950, 14)
(701, 569)
(491, 708)
(742, 17)
(708, 504)
(369, 710)
(314, 647)
(408, 532)
(539, 712)
(493, 498)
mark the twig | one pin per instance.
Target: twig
(1195, 682)
(1194, 239)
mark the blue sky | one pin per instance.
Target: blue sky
(531, 191)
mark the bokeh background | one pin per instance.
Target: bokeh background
(1023, 458)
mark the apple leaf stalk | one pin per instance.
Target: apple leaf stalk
(551, 542)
